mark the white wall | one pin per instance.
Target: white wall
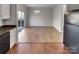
(58, 17)
(13, 16)
(44, 18)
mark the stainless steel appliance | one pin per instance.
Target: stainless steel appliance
(71, 31)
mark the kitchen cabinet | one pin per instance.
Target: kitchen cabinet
(4, 43)
(73, 6)
(5, 11)
(12, 37)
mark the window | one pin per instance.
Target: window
(20, 15)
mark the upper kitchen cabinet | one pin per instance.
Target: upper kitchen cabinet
(4, 11)
(73, 6)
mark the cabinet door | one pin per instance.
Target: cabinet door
(12, 37)
(5, 11)
(73, 6)
(4, 43)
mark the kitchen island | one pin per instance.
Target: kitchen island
(7, 38)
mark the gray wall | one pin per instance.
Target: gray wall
(1, 23)
(13, 16)
(58, 17)
(44, 18)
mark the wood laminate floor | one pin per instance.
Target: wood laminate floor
(39, 34)
(39, 40)
(39, 48)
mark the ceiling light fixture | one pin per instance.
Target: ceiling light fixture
(37, 11)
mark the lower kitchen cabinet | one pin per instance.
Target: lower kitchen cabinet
(4, 43)
(7, 40)
(12, 37)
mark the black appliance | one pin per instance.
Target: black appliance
(20, 25)
(71, 31)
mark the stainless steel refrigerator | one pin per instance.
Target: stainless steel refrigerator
(71, 31)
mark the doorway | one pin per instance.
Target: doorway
(20, 20)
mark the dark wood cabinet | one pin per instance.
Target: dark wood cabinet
(4, 43)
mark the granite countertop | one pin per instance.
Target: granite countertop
(6, 28)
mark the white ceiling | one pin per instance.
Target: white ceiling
(41, 5)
